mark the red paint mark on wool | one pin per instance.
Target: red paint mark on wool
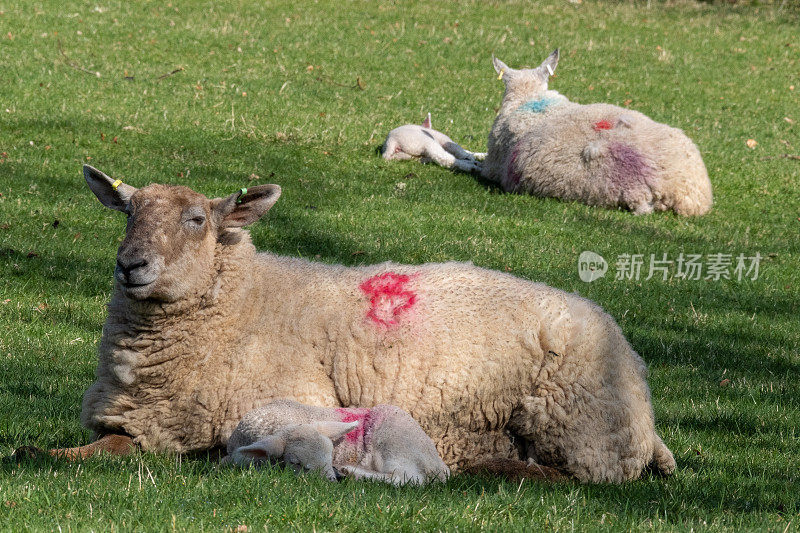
(602, 125)
(389, 297)
(362, 415)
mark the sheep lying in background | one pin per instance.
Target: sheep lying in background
(201, 329)
(382, 443)
(413, 141)
(598, 154)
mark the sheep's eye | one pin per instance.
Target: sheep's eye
(194, 219)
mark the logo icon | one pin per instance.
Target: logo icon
(591, 266)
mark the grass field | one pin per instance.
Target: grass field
(222, 96)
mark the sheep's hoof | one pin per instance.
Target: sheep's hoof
(25, 453)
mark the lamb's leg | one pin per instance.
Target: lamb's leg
(457, 150)
(397, 476)
(112, 444)
(462, 153)
(399, 156)
(434, 152)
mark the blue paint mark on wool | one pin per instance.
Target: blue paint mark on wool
(537, 106)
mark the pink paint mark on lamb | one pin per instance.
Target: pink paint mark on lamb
(630, 167)
(389, 297)
(602, 125)
(354, 414)
(367, 420)
(514, 175)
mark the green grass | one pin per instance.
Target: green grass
(324, 82)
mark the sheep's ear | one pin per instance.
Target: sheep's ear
(501, 68)
(246, 206)
(112, 193)
(335, 430)
(269, 447)
(427, 122)
(548, 66)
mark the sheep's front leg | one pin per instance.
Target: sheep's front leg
(112, 444)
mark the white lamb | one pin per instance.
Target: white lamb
(598, 154)
(382, 443)
(412, 141)
(202, 329)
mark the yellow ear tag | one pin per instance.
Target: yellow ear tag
(242, 192)
(502, 71)
(116, 184)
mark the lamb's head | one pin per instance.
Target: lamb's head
(528, 82)
(304, 447)
(172, 233)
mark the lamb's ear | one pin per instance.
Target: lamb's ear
(427, 122)
(335, 430)
(246, 206)
(548, 66)
(269, 447)
(112, 193)
(501, 68)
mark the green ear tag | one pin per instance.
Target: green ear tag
(242, 192)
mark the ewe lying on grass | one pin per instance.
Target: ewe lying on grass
(382, 443)
(202, 329)
(424, 142)
(598, 154)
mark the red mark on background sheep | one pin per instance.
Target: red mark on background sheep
(602, 125)
(389, 297)
(361, 415)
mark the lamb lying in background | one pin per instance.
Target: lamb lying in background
(382, 443)
(413, 141)
(598, 154)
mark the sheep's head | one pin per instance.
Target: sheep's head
(172, 232)
(303, 447)
(529, 81)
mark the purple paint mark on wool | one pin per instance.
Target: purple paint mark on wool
(514, 175)
(630, 167)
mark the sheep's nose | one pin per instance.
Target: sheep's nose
(126, 267)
